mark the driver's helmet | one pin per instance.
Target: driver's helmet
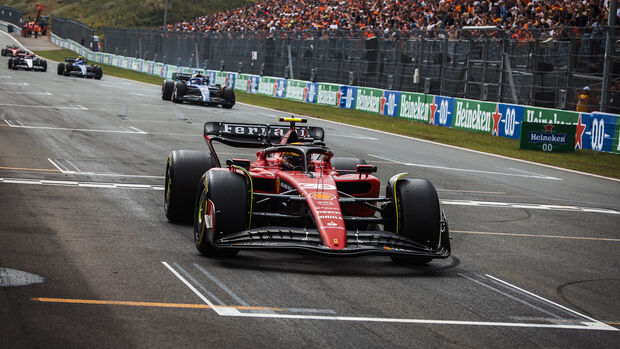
(80, 59)
(291, 161)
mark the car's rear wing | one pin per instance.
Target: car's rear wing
(255, 135)
(70, 60)
(181, 76)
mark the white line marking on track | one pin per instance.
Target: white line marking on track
(101, 185)
(14, 83)
(56, 165)
(197, 283)
(43, 106)
(81, 107)
(464, 169)
(527, 206)
(126, 131)
(233, 312)
(354, 136)
(544, 236)
(221, 285)
(29, 93)
(546, 300)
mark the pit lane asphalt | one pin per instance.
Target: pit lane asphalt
(82, 165)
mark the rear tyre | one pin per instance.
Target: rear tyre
(346, 165)
(419, 216)
(183, 172)
(166, 90)
(221, 209)
(60, 69)
(98, 72)
(179, 92)
(4, 52)
(10, 63)
(44, 65)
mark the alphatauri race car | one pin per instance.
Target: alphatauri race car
(79, 67)
(12, 51)
(297, 196)
(196, 89)
(28, 62)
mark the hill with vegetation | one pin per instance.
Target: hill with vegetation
(124, 13)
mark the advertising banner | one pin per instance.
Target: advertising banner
(550, 116)
(596, 131)
(296, 90)
(441, 110)
(311, 92)
(390, 103)
(328, 94)
(507, 120)
(547, 137)
(242, 82)
(221, 78)
(346, 97)
(368, 99)
(211, 75)
(415, 106)
(473, 115)
(230, 79)
(253, 84)
(267, 86)
(280, 88)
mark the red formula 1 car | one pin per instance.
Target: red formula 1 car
(12, 51)
(297, 196)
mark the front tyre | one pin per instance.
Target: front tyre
(221, 209)
(419, 216)
(60, 69)
(167, 88)
(183, 172)
(98, 72)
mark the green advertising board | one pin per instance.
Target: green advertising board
(550, 116)
(615, 148)
(241, 82)
(221, 78)
(473, 115)
(267, 86)
(547, 137)
(327, 94)
(368, 99)
(296, 90)
(415, 106)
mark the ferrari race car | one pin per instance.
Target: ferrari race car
(12, 51)
(196, 89)
(27, 61)
(79, 67)
(297, 196)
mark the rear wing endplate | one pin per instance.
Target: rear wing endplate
(181, 76)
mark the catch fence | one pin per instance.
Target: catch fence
(11, 15)
(79, 32)
(542, 68)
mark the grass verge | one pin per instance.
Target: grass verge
(604, 164)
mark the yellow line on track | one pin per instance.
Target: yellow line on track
(535, 235)
(28, 169)
(146, 304)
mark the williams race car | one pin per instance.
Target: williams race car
(79, 67)
(297, 196)
(196, 89)
(12, 51)
(28, 62)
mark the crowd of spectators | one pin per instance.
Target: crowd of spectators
(520, 18)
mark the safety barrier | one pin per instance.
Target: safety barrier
(596, 131)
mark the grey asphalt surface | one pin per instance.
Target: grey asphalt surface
(535, 249)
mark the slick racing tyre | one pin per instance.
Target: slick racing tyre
(4, 52)
(44, 65)
(221, 209)
(346, 165)
(183, 172)
(60, 69)
(98, 72)
(10, 63)
(67, 70)
(179, 92)
(167, 87)
(229, 97)
(419, 216)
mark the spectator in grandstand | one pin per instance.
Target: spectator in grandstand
(583, 100)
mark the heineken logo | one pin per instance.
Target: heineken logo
(327, 96)
(472, 118)
(367, 102)
(265, 88)
(537, 137)
(415, 109)
(295, 91)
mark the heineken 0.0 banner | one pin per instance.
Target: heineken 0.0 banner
(369, 99)
(328, 94)
(296, 90)
(473, 115)
(547, 137)
(550, 116)
(415, 106)
(267, 86)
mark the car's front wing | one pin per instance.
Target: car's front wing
(358, 242)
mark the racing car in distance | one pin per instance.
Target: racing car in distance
(12, 51)
(297, 196)
(27, 61)
(79, 67)
(196, 89)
